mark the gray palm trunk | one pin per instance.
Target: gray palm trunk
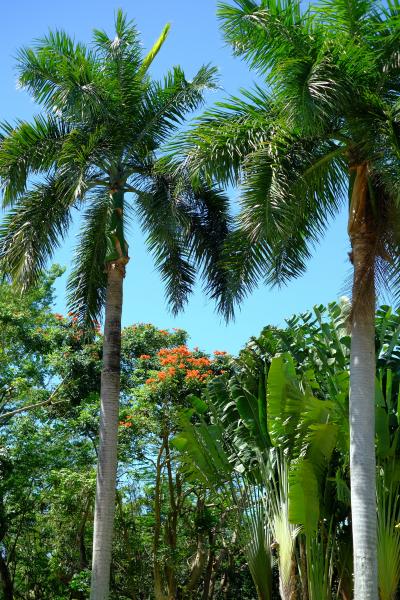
(108, 445)
(362, 429)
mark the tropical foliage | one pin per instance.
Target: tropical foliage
(99, 138)
(234, 472)
(274, 439)
(274, 473)
(320, 128)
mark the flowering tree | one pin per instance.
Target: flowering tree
(170, 376)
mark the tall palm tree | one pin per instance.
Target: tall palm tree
(326, 124)
(98, 139)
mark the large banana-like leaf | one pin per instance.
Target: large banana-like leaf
(303, 495)
(284, 400)
(388, 540)
(252, 411)
(202, 451)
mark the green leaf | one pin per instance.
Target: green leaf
(154, 51)
(303, 495)
(284, 400)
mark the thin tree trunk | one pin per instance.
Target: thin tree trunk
(362, 395)
(200, 559)
(6, 584)
(171, 525)
(304, 570)
(83, 562)
(108, 445)
(210, 564)
(158, 582)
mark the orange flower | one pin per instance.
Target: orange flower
(150, 380)
(169, 360)
(219, 353)
(125, 424)
(58, 316)
(199, 362)
(181, 350)
(192, 374)
(144, 356)
(161, 375)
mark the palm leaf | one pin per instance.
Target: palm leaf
(87, 281)
(223, 136)
(268, 32)
(151, 55)
(166, 238)
(62, 76)
(33, 229)
(165, 104)
(28, 148)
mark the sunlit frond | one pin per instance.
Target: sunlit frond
(223, 136)
(28, 148)
(62, 76)
(32, 230)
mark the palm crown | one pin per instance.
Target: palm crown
(99, 136)
(331, 106)
(327, 124)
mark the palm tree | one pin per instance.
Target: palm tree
(327, 124)
(98, 138)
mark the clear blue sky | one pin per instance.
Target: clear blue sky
(194, 39)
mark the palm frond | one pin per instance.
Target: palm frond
(28, 148)
(124, 46)
(62, 76)
(165, 104)
(85, 154)
(87, 281)
(164, 223)
(224, 135)
(121, 60)
(151, 55)
(346, 16)
(32, 230)
(207, 210)
(288, 198)
(268, 32)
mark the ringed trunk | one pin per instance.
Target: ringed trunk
(362, 393)
(117, 257)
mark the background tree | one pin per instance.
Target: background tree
(328, 126)
(49, 451)
(103, 122)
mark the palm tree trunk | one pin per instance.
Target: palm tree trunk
(362, 396)
(107, 459)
